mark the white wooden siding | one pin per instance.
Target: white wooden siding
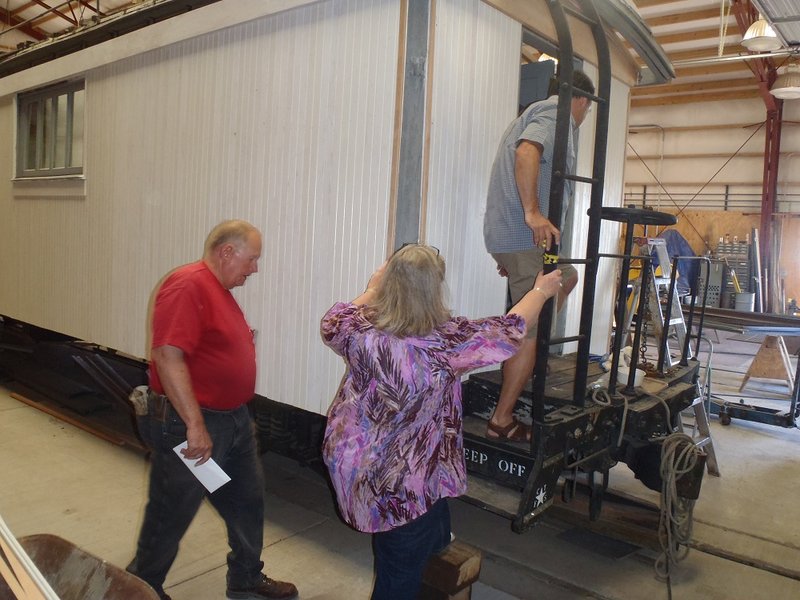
(608, 269)
(286, 121)
(476, 83)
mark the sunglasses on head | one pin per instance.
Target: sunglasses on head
(417, 244)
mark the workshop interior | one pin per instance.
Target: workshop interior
(347, 128)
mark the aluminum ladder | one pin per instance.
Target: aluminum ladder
(674, 322)
(695, 417)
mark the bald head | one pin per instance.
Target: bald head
(232, 250)
(234, 232)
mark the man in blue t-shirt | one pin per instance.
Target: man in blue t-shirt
(517, 231)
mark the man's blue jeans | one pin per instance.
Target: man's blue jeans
(175, 496)
(402, 553)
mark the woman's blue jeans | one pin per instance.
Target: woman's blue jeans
(402, 553)
(175, 496)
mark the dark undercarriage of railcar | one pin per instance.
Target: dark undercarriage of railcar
(575, 446)
(88, 386)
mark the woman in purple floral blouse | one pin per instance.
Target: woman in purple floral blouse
(393, 443)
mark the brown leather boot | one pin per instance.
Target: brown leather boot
(267, 589)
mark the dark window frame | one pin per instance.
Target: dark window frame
(44, 145)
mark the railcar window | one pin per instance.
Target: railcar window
(50, 131)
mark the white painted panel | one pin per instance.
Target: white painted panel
(286, 121)
(476, 83)
(608, 269)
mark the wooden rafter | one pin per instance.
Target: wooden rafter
(728, 79)
(684, 17)
(699, 86)
(708, 53)
(651, 3)
(707, 127)
(762, 68)
(696, 155)
(529, 54)
(714, 69)
(53, 11)
(692, 98)
(691, 36)
(12, 20)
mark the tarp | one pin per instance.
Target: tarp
(687, 269)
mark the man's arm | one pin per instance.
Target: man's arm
(174, 376)
(526, 174)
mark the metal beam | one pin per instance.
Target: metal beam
(769, 193)
(95, 8)
(38, 17)
(410, 178)
(765, 72)
(54, 10)
(91, 36)
(715, 60)
(20, 25)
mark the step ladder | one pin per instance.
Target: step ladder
(695, 417)
(694, 423)
(659, 287)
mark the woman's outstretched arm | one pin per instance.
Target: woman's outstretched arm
(545, 287)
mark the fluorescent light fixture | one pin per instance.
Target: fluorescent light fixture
(787, 85)
(760, 37)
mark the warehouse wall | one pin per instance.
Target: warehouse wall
(709, 155)
(709, 158)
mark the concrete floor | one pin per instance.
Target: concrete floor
(58, 479)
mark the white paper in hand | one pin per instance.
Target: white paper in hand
(209, 473)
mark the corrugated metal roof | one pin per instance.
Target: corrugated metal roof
(784, 16)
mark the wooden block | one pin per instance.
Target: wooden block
(428, 593)
(771, 362)
(652, 386)
(451, 573)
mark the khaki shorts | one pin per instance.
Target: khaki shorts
(522, 268)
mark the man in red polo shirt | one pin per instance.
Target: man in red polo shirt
(203, 361)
